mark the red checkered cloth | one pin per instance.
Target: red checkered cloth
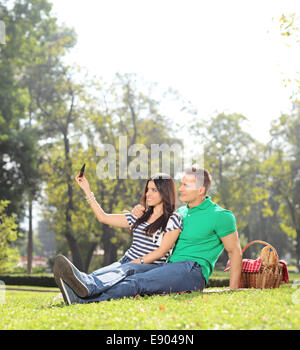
(249, 265)
(285, 273)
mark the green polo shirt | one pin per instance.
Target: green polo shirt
(199, 240)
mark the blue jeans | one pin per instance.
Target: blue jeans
(98, 283)
(128, 281)
(111, 267)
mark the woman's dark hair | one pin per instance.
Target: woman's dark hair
(166, 187)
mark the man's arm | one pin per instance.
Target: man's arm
(233, 248)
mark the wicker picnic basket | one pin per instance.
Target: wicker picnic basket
(270, 273)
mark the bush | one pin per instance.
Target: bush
(29, 280)
(218, 282)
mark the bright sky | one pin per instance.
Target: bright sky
(221, 55)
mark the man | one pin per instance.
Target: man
(207, 230)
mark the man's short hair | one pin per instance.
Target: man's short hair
(203, 177)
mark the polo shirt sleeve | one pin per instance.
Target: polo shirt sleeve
(225, 223)
(175, 221)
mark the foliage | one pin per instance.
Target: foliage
(290, 30)
(28, 29)
(34, 44)
(102, 120)
(254, 180)
(51, 125)
(8, 233)
(283, 168)
(231, 155)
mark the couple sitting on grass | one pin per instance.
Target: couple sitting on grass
(172, 251)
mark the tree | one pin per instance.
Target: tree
(283, 163)
(47, 239)
(8, 233)
(230, 154)
(283, 166)
(120, 109)
(34, 42)
(126, 110)
(58, 100)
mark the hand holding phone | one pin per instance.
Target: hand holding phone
(83, 182)
(82, 170)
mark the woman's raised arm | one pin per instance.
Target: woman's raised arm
(118, 220)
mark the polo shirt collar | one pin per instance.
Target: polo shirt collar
(205, 204)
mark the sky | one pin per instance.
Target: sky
(222, 56)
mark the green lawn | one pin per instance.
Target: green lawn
(247, 309)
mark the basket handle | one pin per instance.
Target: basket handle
(261, 242)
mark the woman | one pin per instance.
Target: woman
(155, 232)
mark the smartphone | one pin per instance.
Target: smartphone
(82, 170)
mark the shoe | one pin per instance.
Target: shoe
(58, 281)
(71, 297)
(65, 270)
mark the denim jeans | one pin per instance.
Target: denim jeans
(128, 281)
(111, 267)
(98, 283)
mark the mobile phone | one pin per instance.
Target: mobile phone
(82, 170)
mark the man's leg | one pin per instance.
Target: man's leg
(166, 278)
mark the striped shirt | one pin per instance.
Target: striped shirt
(142, 244)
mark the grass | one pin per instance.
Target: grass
(270, 309)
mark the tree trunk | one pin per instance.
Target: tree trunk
(89, 257)
(298, 249)
(30, 239)
(76, 257)
(72, 242)
(110, 249)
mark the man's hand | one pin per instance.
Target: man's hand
(138, 210)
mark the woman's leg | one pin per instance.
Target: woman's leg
(100, 283)
(111, 267)
(106, 269)
(85, 285)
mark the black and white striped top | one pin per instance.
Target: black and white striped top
(142, 244)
